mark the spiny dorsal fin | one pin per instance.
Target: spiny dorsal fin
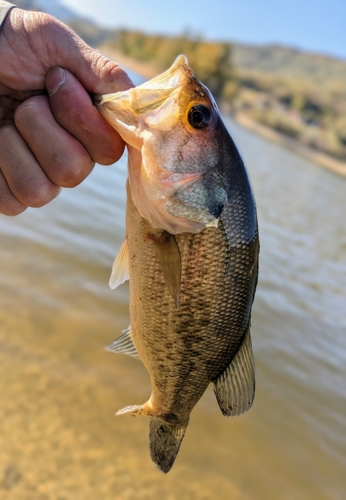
(235, 386)
(170, 261)
(124, 344)
(120, 269)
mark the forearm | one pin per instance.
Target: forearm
(5, 7)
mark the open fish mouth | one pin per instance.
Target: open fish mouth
(153, 93)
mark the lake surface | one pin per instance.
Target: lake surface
(59, 390)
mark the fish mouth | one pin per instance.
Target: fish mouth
(150, 95)
(148, 105)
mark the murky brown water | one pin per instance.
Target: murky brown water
(59, 390)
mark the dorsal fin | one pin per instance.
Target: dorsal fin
(124, 344)
(170, 261)
(120, 269)
(235, 386)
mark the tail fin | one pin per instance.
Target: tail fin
(165, 440)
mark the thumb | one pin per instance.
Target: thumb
(96, 73)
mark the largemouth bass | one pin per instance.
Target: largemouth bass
(191, 253)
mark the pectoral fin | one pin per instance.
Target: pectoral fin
(170, 260)
(124, 344)
(235, 386)
(120, 269)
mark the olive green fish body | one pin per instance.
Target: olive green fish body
(191, 254)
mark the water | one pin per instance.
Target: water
(59, 389)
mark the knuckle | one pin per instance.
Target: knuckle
(107, 147)
(6, 131)
(113, 76)
(18, 209)
(10, 206)
(27, 110)
(112, 157)
(40, 195)
(72, 175)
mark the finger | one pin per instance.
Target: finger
(62, 157)
(9, 204)
(24, 176)
(74, 111)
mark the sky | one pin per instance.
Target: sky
(313, 25)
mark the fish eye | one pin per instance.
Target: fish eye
(199, 116)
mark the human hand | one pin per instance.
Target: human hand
(50, 140)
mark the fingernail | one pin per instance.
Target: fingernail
(54, 79)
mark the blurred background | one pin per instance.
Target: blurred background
(278, 73)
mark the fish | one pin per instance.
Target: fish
(191, 253)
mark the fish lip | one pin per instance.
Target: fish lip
(169, 79)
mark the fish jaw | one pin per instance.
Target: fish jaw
(169, 170)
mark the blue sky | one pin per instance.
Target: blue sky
(314, 25)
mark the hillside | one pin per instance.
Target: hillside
(52, 7)
(285, 61)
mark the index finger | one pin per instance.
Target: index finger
(73, 109)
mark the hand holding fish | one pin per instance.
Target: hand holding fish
(50, 133)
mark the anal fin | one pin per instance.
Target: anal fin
(124, 344)
(235, 387)
(133, 410)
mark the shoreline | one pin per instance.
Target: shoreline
(149, 70)
(318, 157)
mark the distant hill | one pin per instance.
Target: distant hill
(93, 35)
(52, 7)
(56, 9)
(285, 61)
